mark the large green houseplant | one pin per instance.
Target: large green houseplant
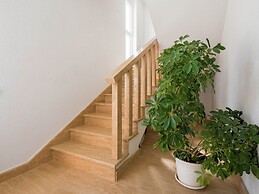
(187, 68)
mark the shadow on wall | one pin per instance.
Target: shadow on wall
(221, 82)
(247, 94)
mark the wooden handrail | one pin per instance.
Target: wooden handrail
(138, 76)
(127, 65)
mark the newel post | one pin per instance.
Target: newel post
(117, 120)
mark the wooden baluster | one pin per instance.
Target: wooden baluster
(116, 120)
(149, 74)
(128, 105)
(157, 65)
(143, 83)
(136, 97)
(153, 58)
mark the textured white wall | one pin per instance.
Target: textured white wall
(54, 56)
(237, 85)
(200, 19)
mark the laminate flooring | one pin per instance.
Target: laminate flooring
(152, 172)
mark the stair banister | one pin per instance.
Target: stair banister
(139, 75)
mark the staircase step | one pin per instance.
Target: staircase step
(88, 152)
(92, 135)
(103, 120)
(93, 159)
(105, 107)
(108, 98)
(99, 119)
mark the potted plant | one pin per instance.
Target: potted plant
(187, 67)
(230, 144)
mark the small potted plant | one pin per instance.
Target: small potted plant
(175, 110)
(230, 144)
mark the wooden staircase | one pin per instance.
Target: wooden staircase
(90, 145)
(97, 140)
(101, 145)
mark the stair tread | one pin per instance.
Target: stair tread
(94, 130)
(94, 153)
(110, 104)
(103, 103)
(105, 116)
(110, 94)
(99, 115)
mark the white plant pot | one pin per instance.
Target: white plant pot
(186, 175)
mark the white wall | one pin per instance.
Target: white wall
(200, 19)
(54, 56)
(145, 29)
(237, 86)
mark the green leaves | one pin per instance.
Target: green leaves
(218, 48)
(230, 143)
(195, 69)
(208, 42)
(173, 123)
(205, 177)
(187, 68)
(256, 139)
(149, 102)
(182, 38)
(255, 171)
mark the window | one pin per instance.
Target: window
(130, 28)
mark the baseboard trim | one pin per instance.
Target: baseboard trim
(9, 174)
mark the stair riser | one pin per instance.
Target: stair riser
(106, 109)
(90, 139)
(103, 109)
(105, 123)
(88, 166)
(108, 98)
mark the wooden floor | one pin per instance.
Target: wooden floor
(151, 172)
